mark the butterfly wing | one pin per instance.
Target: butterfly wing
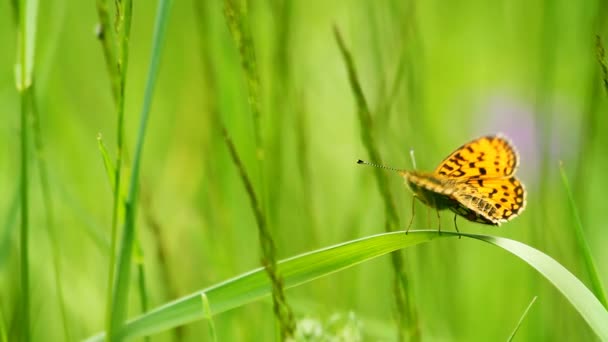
(489, 201)
(486, 157)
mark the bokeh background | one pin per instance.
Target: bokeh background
(436, 74)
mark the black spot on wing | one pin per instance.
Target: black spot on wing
(459, 157)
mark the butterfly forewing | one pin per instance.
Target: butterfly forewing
(485, 157)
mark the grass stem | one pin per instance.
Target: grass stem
(122, 282)
(582, 244)
(521, 319)
(406, 313)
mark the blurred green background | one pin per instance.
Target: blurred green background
(436, 74)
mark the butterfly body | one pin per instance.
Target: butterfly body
(430, 189)
(476, 182)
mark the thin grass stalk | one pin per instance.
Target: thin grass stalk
(282, 310)
(50, 216)
(24, 237)
(598, 80)
(413, 60)
(139, 258)
(107, 162)
(542, 108)
(601, 59)
(123, 28)
(3, 330)
(210, 86)
(544, 90)
(161, 254)
(9, 224)
(15, 10)
(521, 319)
(405, 315)
(301, 131)
(582, 244)
(376, 54)
(117, 68)
(121, 287)
(209, 316)
(280, 106)
(236, 18)
(141, 277)
(105, 34)
(589, 128)
(27, 12)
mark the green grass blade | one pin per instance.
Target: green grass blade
(141, 277)
(254, 285)
(571, 287)
(24, 228)
(600, 54)
(3, 330)
(209, 317)
(8, 226)
(121, 287)
(23, 77)
(306, 267)
(52, 231)
(106, 35)
(521, 319)
(583, 245)
(118, 76)
(24, 68)
(107, 162)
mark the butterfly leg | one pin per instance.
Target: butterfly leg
(456, 226)
(411, 218)
(438, 222)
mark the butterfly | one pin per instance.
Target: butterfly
(476, 181)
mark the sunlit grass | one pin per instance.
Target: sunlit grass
(399, 76)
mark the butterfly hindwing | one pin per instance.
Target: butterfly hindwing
(496, 200)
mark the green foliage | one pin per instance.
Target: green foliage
(429, 76)
(252, 285)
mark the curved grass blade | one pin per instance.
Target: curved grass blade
(583, 245)
(255, 284)
(306, 267)
(571, 287)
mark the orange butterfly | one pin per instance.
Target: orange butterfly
(476, 182)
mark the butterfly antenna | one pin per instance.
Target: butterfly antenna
(378, 165)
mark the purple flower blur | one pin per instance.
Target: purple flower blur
(516, 120)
